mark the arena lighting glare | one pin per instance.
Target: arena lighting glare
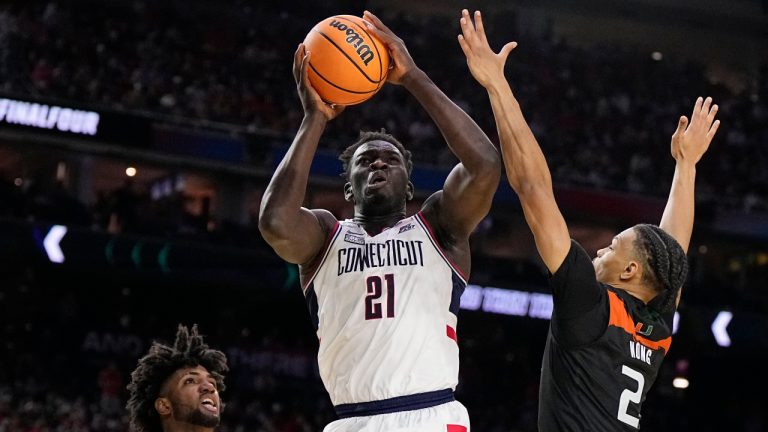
(130, 171)
(720, 328)
(680, 383)
(52, 241)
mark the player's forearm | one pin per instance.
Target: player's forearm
(285, 193)
(525, 164)
(464, 137)
(678, 216)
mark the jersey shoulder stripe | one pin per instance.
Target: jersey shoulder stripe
(321, 257)
(433, 239)
(619, 317)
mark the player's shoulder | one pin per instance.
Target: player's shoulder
(577, 257)
(325, 218)
(432, 209)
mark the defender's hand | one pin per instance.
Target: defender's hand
(690, 141)
(486, 66)
(310, 100)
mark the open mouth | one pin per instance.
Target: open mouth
(376, 181)
(209, 405)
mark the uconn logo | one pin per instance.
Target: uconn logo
(354, 39)
(390, 253)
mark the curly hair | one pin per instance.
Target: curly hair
(367, 136)
(188, 350)
(666, 260)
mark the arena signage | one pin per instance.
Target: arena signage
(507, 301)
(51, 117)
(46, 121)
(539, 305)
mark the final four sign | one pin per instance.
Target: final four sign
(50, 117)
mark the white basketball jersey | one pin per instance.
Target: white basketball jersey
(385, 309)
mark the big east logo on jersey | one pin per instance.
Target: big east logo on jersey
(352, 238)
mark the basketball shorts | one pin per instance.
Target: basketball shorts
(447, 417)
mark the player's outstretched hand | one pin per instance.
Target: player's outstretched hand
(310, 99)
(486, 66)
(402, 62)
(691, 141)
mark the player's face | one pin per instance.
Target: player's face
(612, 261)
(378, 172)
(194, 397)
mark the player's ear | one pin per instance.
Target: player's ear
(348, 195)
(409, 191)
(163, 406)
(631, 270)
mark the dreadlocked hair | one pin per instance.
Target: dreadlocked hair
(159, 364)
(367, 136)
(667, 262)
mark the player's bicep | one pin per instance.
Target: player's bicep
(548, 226)
(305, 240)
(466, 198)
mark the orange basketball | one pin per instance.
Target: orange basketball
(348, 64)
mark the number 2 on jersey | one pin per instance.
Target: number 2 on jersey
(628, 396)
(374, 289)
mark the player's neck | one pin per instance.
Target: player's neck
(374, 224)
(637, 290)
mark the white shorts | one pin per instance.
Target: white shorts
(447, 417)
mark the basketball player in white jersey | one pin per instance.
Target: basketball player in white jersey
(383, 288)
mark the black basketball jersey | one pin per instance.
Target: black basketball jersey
(603, 352)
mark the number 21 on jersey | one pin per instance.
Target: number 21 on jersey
(375, 288)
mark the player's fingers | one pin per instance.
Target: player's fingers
(697, 106)
(464, 46)
(712, 113)
(376, 31)
(681, 125)
(705, 106)
(338, 108)
(713, 129)
(466, 26)
(479, 26)
(304, 64)
(387, 39)
(506, 49)
(297, 59)
(376, 21)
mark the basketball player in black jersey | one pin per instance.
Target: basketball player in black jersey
(612, 320)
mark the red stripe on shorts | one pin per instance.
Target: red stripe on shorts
(457, 428)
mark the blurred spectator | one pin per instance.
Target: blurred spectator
(227, 63)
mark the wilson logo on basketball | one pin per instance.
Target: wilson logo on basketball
(354, 39)
(348, 64)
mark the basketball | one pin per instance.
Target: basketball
(348, 63)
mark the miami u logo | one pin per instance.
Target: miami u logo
(639, 329)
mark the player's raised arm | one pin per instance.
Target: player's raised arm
(689, 142)
(526, 167)
(294, 232)
(468, 191)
